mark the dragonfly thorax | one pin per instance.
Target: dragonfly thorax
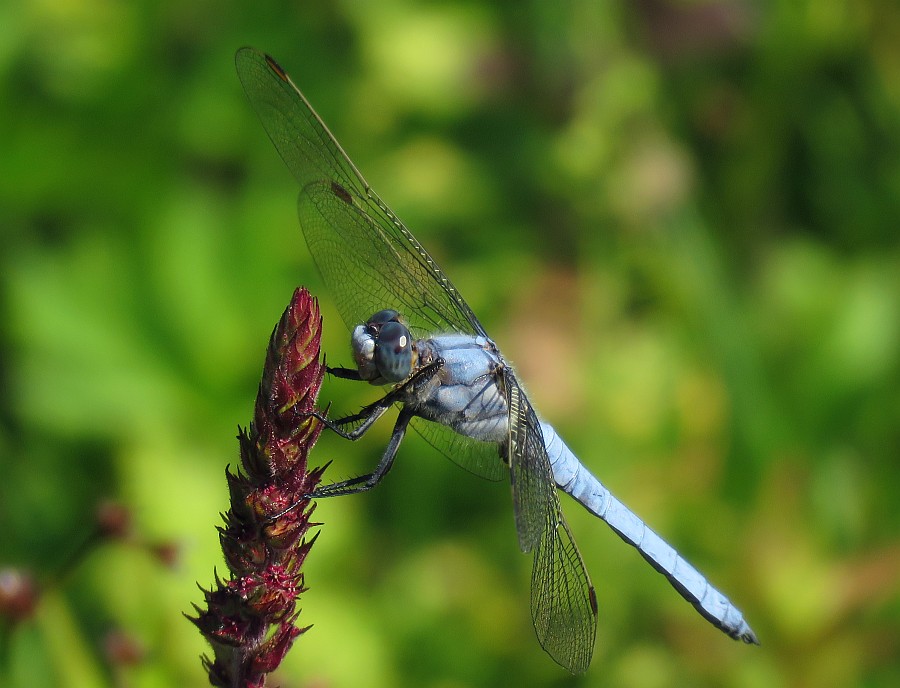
(383, 348)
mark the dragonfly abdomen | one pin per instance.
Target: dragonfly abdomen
(572, 477)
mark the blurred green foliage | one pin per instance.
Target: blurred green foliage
(680, 219)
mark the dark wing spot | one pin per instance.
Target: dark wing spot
(275, 67)
(341, 193)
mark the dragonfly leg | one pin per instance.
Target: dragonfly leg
(366, 482)
(371, 413)
(361, 483)
(344, 373)
(368, 415)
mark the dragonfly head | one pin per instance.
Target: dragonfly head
(383, 348)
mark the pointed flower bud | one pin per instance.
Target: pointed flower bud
(250, 618)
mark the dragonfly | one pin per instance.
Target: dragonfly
(413, 334)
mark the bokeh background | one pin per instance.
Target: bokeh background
(679, 219)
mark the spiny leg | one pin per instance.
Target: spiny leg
(371, 413)
(366, 482)
(368, 415)
(344, 373)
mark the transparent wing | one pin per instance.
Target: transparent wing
(480, 458)
(530, 475)
(367, 257)
(563, 602)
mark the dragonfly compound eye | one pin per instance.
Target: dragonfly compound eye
(393, 352)
(381, 317)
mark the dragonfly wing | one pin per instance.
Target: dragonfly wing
(531, 479)
(480, 458)
(563, 602)
(367, 257)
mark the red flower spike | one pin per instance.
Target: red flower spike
(276, 647)
(250, 618)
